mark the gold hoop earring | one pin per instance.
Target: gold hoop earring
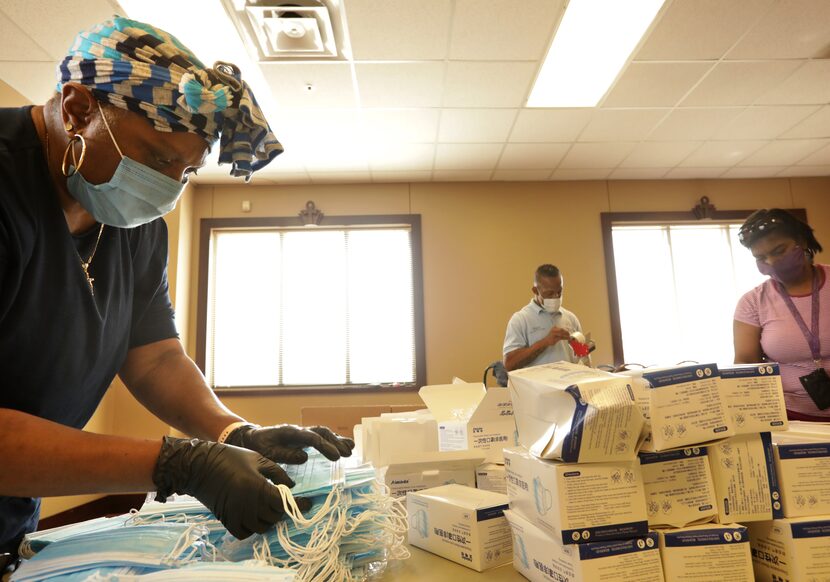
(76, 164)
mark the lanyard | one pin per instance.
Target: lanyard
(811, 335)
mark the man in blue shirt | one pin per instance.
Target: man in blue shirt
(539, 333)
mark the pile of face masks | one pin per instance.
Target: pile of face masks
(352, 531)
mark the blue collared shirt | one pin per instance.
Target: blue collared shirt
(531, 324)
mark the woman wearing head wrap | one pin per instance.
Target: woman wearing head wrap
(786, 319)
(84, 180)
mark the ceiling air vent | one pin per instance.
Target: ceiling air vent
(282, 30)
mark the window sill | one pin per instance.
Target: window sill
(306, 390)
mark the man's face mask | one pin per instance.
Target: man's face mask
(135, 195)
(552, 305)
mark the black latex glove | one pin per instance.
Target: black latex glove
(284, 443)
(230, 481)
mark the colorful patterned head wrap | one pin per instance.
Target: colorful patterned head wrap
(143, 69)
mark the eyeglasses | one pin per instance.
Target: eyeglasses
(765, 225)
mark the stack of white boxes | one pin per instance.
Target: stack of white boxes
(706, 468)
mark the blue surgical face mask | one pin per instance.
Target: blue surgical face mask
(135, 195)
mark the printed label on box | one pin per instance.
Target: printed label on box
(754, 397)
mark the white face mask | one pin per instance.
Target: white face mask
(552, 305)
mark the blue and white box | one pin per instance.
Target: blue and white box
(706, 553)
(754, 397)
(791, 550)
(746, 482)
(539, 558)
(804, 478)
(574, 503)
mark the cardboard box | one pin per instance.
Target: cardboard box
(392, 436)
(679, 488)
(706, 553)
(540, 558)
(470, 416)
(746, 484)
(803, 472)
(461, 524)
(800, 432)
(576, 414)
(491, 477)
(791, 550)
(421, 471)
(754, 397)
(342, 419)
(685, 407)
(577, 503)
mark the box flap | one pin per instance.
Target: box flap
(466, 497)
(453, 401)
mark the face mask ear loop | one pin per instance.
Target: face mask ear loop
(193, 538)
(109, 131)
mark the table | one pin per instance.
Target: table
(424, 565)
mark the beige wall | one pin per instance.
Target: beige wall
(481, 243)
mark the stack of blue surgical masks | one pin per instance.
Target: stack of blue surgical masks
(353, 529)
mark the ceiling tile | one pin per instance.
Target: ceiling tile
(331, 84)
(455, 156)
(659, 154)
(292, 178)
(817, 125)
(496, 30)
(792, 29)
(764, 122)
(401, 125)
(810, 84)
(739, 83)
(332, 157)
(400, 84)
(329, 125)
(340, 177)
(475, 125)
(417, 176)
(752, 172)
(818, 158)
(385, 156)
(693, 124)
(17, 45)
(596, 155)
(291, 160)
(398, 29)
(721, 153)
(648, 84)
(520, 175)
(784, 152)
(549, 125)
(532, 156)
(798, 171)
(461, 175)
(621, 124)
(33, 80)
(694, 173)
(638, 173)
(568, 174)
(700, 29)
(505, 84)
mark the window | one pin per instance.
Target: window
(328, 306)
(673, 285)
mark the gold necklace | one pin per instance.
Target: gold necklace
(84, 264)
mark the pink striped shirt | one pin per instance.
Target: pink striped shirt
(782, 340)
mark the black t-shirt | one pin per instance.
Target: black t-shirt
(60, 345)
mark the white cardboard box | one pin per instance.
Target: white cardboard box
(754, 397)
(577, 503)
(679, 488)
(540, 558)
(685, 407)
(576, 414)
(383, 439)
(791, 550)
(746, 483)
(803, 472)
(471, 416)
(419, 471)
(491, 477)
(706, 553)
(462, 524)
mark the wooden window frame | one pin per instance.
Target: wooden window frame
(609, 219)
(207, 225)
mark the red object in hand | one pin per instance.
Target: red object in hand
(580, 349)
